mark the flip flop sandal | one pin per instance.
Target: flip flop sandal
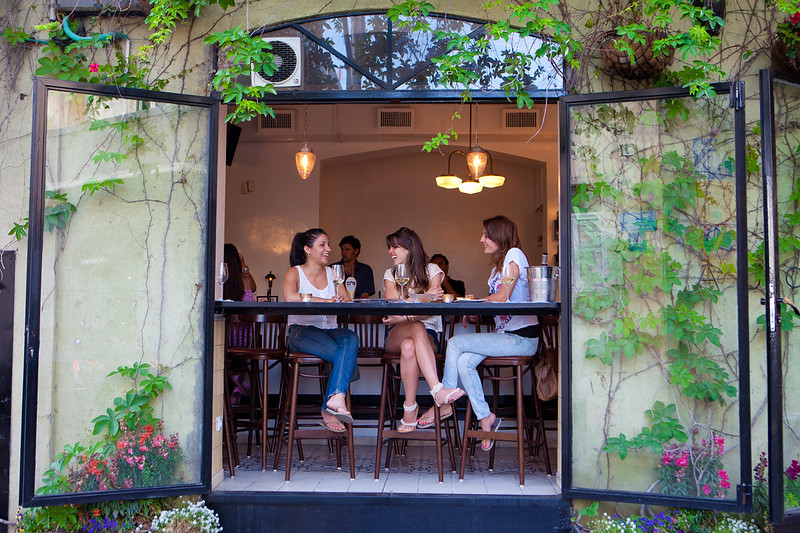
(329, 428)
(341, 415)
(432, 422)
(494, 429)
(450, 398)
(403, 424)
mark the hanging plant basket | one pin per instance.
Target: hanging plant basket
(646, 63)
(781, 60)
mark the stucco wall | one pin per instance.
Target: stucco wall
(187, 63)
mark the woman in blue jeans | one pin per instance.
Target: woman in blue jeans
(319, 335)
(513, 335)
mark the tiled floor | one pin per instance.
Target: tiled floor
(413, 473)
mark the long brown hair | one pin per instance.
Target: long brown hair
(503, 231)
(417, 258)
(297, 253)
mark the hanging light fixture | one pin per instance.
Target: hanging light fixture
(477, 159)
(304, 159)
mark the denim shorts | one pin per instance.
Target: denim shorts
(431, 333)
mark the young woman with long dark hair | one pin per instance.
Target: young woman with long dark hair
(513, 335)
(415, 337)
(320, 335)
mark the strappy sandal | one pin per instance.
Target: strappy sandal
(452, 396)
(403, 424)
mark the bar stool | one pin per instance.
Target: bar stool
(520, 365)
(265, 348)
(296, 432)
(390, 387)
(370, 350)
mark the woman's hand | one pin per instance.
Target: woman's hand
(393, 320)
(436, 291)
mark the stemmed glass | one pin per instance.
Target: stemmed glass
(338, 277)
(507, 277)
(222, 273)
(401, 278)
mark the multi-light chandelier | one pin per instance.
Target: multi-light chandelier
(477, 159)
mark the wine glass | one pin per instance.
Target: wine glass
(401, 278)
(222, 273)
(507, 277)
(338, 277)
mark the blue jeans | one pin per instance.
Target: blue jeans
(337, 346)
(466, 352)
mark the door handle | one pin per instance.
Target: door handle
(786, 301)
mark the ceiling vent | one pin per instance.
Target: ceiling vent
(515, 119)
(282, 123)
(396, 119)
(288, 59)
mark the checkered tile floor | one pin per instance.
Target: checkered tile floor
(412, 473)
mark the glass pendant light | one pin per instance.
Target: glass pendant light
(304, 158)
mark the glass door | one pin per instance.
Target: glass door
(117, 373)
(780, 257)
(656, 354)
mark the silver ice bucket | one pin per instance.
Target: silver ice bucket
(543, 283)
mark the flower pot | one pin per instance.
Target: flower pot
(645, 64)
(781, 62)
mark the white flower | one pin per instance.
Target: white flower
(196, 514)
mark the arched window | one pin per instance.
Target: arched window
(367, 56)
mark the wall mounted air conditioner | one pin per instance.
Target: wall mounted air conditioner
(288, 58)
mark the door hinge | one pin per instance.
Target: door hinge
(737, 95)
(744, 493)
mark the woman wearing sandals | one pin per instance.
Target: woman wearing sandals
(415, 337)
(513, 335)
(319, 335)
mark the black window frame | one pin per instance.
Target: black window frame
(743, 501)
(30, 385)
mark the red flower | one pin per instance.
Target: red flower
(97, 512)
(93, 67)
(794, 19)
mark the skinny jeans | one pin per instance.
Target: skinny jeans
(338, 346)
(464, 354)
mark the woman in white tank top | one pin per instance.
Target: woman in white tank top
(415, 337)
(318, 334)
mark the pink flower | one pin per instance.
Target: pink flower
(94, 67)
(706, 489)
(723, 479)
(683, 460)
(665, 459)
(794, 19)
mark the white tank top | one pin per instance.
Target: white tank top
(320, 321)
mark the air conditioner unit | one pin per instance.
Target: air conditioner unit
(289, 60)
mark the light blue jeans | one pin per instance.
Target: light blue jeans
(466, 352)
(337, 346)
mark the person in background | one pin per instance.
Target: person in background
(365, 281)
(415, 337)
(240, 287)
(320, 335)
(449, 285)
(513, 335)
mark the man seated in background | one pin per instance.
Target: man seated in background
(450, 285)
(365, 283)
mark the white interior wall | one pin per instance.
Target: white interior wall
(368, 183)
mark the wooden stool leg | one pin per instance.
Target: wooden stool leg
(520, 427)
(465, 441)
(264, 414)
(292, 418)
(351, 443)
(381, 421)
(438, 424)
